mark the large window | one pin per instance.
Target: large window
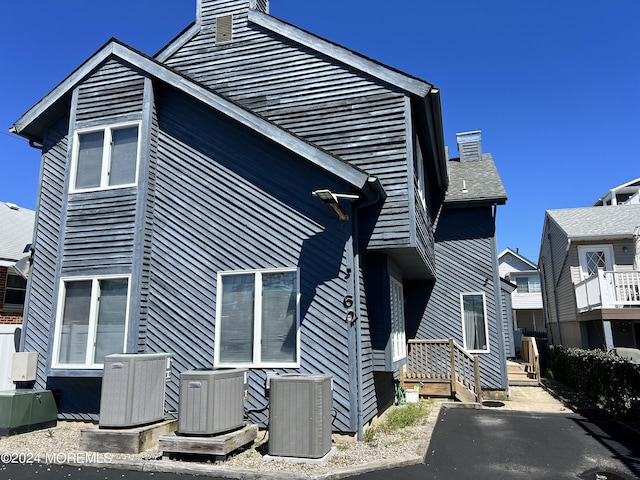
(474, 322)
(398, 336)
(14, 293)
(257, 318)
(91, 322)
(105, 157)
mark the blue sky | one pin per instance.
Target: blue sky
(554, 86)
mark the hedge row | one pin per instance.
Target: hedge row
(610, 381)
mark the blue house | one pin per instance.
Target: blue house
(254, 196)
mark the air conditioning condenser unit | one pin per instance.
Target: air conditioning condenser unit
(211, 401)
(300, 415)
(133, 389)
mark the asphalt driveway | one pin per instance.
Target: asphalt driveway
(501, 444)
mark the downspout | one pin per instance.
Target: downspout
(375, 198)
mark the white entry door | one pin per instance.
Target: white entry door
(593, 257)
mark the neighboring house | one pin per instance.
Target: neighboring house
(526, 299)
(254, 196)
(16, 234)
(625, 194)
(590, 283)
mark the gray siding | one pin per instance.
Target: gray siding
(507, 323)
(113, 90)
(145, 221)
(218, 207)
(343, 111)
(464, 259)
(89, 233)
(99, 230)
(555, 277)
(39, 311)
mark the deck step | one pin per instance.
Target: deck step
(523, 382)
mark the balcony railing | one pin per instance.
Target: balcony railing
(609, 290)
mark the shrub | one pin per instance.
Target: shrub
(613, 383)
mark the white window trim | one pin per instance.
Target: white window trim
(55, 363)
(257, 333)
(529, 279)
(398, 338)
(582, 259)
(486, 322)
(106, 156)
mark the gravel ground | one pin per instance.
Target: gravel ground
(61, 445)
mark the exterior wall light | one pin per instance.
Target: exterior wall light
(331, 199)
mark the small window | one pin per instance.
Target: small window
(474, 322)
(91, 322)
(257, 318)
(398, 335)
(107, 157)
(15, 292)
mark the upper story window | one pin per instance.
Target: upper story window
(15, 292)
(528, 284)
(91, 321)
(475, 331)
(105, 157)
(257, 319)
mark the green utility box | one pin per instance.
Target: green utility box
(26, 410)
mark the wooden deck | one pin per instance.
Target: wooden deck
(442, 368)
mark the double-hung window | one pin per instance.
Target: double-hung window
(257, 318)
(474, 322)
(92, 320)
(528, 284)
(15, 291)
(105, 157)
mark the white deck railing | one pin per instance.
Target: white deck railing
(609, 290)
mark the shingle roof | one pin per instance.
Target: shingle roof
(481, 179)
(16, 231)
(594, 222)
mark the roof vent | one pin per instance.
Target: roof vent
(12, 206)
(224, 29)
(469, 146)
